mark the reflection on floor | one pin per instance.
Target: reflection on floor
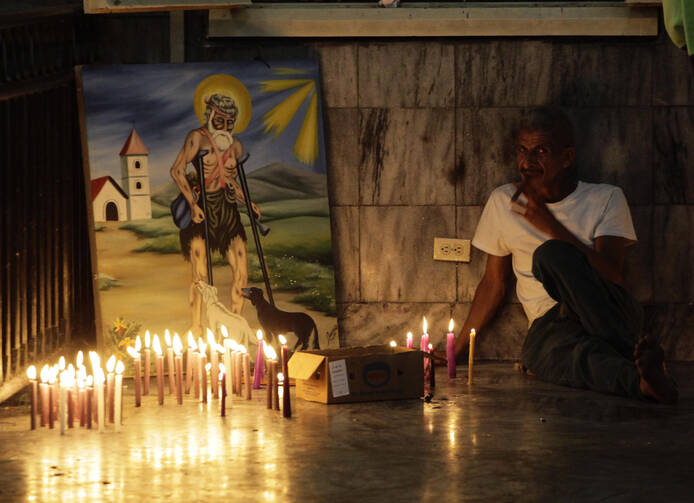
(506, 438)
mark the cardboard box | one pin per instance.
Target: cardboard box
(358, 374)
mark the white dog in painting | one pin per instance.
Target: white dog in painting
(215, 314)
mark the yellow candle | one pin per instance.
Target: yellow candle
(471, 356)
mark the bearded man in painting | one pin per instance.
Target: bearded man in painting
(565, 241)
(225, 230)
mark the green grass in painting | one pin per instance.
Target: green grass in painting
(160, 211)
(106, 282)
(99, 228)
(297, 251)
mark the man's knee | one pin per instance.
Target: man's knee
(555, 255)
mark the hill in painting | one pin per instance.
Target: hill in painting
(274, 182)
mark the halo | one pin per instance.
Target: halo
(228, 86)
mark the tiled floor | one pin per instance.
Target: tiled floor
(507, 438)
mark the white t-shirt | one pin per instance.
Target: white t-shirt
(590, 211)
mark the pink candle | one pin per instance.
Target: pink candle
(246, 362)
(286, 404)
(178, 367)
(190, 360)
(110, 387)
(450, 350)
(259, 368)
(223, 379)
(424, 342)
(147, 364)
(214, 361)
(170, 362)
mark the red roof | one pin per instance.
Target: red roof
(133, 145)
(98, 184)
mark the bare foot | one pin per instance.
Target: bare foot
(655, 383)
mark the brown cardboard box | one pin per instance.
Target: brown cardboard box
(358, 374)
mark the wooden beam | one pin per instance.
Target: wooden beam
(109, 6)
(433, 20)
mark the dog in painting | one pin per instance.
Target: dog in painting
(215, 314)
(276, 322)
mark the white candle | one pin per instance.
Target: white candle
(101, 410)
(119, 394)
(63, 395)
(471, 356)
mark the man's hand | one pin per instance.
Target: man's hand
(197, 213)
(536, 212)
(256, 211)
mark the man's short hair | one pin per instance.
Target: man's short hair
(550, 120)
(220, 103)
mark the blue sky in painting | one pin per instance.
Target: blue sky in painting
(158, 101)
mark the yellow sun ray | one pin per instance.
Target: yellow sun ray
(273, 86)
(279, 117)
(306, 146)
(283, 70)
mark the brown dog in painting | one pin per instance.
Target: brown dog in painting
(276, 322)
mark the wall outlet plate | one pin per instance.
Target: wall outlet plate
(454, 250)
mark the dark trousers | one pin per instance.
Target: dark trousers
(587, 339)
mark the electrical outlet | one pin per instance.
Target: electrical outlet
(454, 250)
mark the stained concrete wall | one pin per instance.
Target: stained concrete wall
(419, 133)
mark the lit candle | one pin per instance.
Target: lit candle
(276, 386)
(100, 402)
(192, 347)
(63, 398)
(206, 372)
(160, 368)
(432, 370)
(228, 368)
(43, 394)
(170, 361)
(214, 362)
(110, 376)
(178, 364)
(70, 388)
(450, 350)
(424, 342)
(270, 355)
(223, 380)
(194, 370)
(471, 356)
(259, 368)
(136, 362)
(409, 340)
(31, 374)
(246, 372)
(90, 397)
(202, 363)
(393, 344)
(147, 363)
(138, 348)
(119, 394)
(285, 373)
(79, 397)
(82, 396)
(52, 378)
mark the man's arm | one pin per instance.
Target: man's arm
(190, 148)
(609, 252)
(489, 295)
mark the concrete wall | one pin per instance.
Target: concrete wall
(419, 133)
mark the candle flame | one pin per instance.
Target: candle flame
(138, 344)
(82, 373)
(280, 377)
(61, 363)
(191, 342)
(90, 380)
(208, 366)
(210, 338)
(224, 331)
(31, 372)
(52, 375)
(111, 364)
(71, 370)
(80, 358)
(80, 382)
(282, 339)
(96, 361)
(222, 370)
(424, 325)
(259, 335)
(242, 348)
(392, 344)
(473, 333)
(99, 376)
(147, 339)
(270, 353)
(431, 346)
(120, 367)
(409, 336)
(133, 352)
(167, 337)
(45, 373)
(450, 325)
(202, 347)
(177, 345)
(233, 344)
(156, 346)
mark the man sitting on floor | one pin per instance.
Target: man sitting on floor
(565, 241)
